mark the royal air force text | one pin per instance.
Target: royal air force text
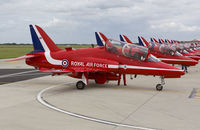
(88, 64)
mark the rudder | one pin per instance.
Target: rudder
(41, 41)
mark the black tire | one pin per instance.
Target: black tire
(159, 87)
(80, 85)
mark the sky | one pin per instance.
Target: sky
(75, 21)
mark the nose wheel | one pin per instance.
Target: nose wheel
(159, 87)
(80, 85)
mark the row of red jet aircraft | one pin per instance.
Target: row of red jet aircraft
(111, 59)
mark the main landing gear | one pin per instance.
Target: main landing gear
(124, 79)
(80, 85)
(159, 87)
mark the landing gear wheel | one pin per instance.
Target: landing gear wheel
(80, 85)
(159, 87)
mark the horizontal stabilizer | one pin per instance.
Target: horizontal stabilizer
(21, 58)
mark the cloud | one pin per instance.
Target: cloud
(173, 26)
(77, 20)
(60, 22)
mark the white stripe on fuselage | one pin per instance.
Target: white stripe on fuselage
(174, 59)
(139, 67)
(47, 51)
(189, 56)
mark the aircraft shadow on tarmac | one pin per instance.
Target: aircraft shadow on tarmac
(70, 88)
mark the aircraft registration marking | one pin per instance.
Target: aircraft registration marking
(195, 93)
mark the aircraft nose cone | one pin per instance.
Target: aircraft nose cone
(181, 72)
(194, 62)
(178, 71)
(171, 71)
(195, 58)
(189, 61)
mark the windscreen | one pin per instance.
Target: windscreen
(186, 52)
(152, 58)
(126, 49)
(177, 54)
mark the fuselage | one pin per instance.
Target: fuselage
(99, 58)
(171, 59)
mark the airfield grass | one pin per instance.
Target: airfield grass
(12, 51)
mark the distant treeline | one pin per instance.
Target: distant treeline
(31, 44)
(70, 44)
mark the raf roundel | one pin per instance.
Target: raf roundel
(65, 63)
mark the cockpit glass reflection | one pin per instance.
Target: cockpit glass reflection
(128, 50)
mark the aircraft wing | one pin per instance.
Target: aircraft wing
(47, 70)
(87, 69)
(72, 70)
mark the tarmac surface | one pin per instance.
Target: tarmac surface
(15, 75)
(138, 104)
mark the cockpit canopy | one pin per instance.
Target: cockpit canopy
(153, 44)
(129, 50)
(167, 49)
(177, 47)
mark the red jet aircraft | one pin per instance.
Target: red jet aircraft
(181, 48)
(164, 52)
(102, 64)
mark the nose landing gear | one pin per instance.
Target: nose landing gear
(159, 87)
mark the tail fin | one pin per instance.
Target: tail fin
(163, 41)
(152, 40)
(169, 41)
(155, 40)
(143, 41)
(21, 58)
(41, 41)
(125, 39)
(101, 38)
(160, 41)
